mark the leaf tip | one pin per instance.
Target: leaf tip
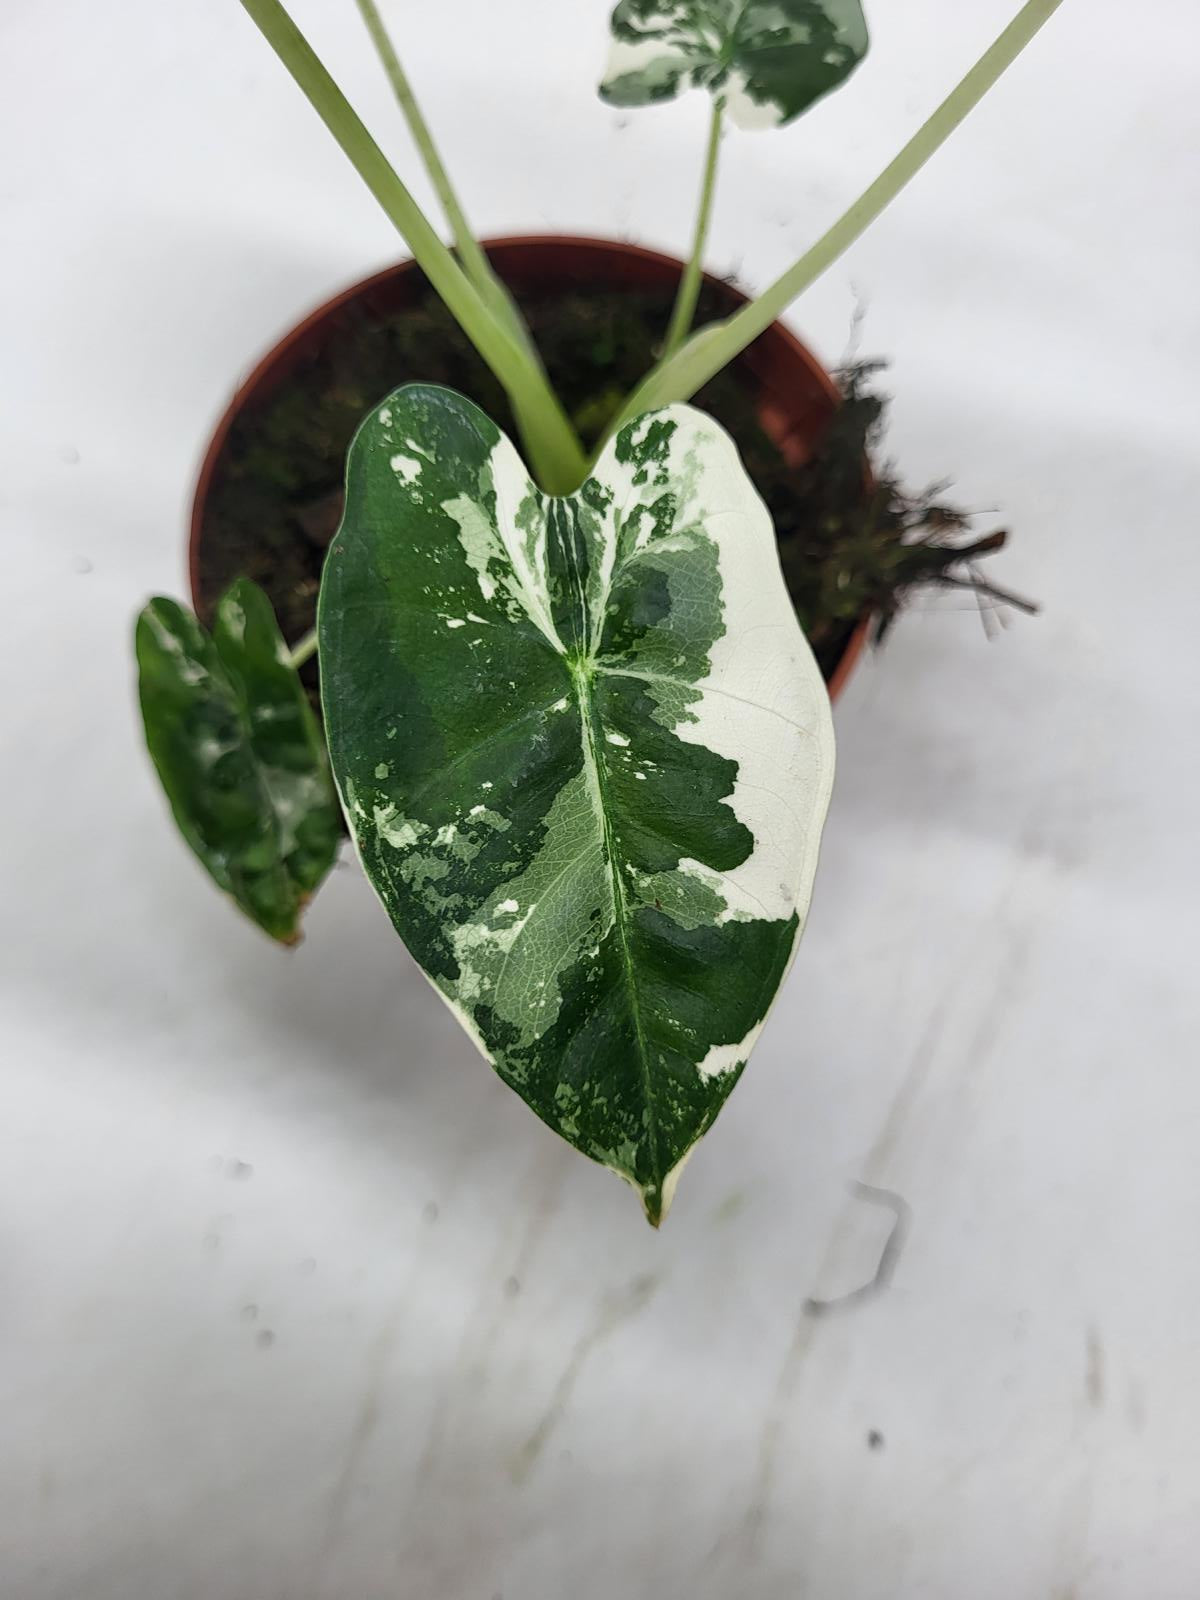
(657, 1198)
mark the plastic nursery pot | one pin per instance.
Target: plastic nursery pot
(796, 395)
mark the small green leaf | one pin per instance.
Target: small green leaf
(585, 753)
(765, 60)
(239, 753)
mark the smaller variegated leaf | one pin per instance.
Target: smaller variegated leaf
(585, 753)
(239, 753)
(766, 61)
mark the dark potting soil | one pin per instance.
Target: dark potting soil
(850, 543)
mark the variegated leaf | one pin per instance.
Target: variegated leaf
(586, 755)
(766, 60)
(239, 753)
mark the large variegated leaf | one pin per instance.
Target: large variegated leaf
(586, 755)
(239, 753)
(766, 60)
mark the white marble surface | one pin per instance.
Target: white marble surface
(295, 1300)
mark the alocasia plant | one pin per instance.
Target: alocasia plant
(581, 744)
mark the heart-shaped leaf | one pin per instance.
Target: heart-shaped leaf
(586, 755)
(239, 753)
(766, 60)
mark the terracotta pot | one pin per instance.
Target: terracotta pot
(798, 396)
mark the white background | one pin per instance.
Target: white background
(295, 1299)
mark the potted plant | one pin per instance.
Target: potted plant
(567, 710)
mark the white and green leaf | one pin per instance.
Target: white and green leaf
(586, 755)
(239, 753)
(766, 61)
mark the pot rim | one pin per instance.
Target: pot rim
(603, 248)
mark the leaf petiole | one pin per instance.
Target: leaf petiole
(474, 259)
(303, 650)
(554, 449)
(689, 285)
(703, 356)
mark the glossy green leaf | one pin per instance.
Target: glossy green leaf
(239, 753)
(767, 61)
(585, 753)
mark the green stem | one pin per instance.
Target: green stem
(474, 261)
(304, 647)
(689, 285)
(554, 450)
(714, 347)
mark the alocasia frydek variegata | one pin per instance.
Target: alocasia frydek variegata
(581, 743)
(585, 753)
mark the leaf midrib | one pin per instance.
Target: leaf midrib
(592, 755)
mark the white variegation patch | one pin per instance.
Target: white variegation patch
(723, 1058)
(761, 703)
(495, 543)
